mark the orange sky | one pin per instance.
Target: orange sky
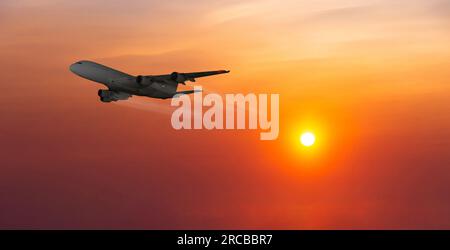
(370, 78)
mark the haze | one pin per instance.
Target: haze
(369, 78)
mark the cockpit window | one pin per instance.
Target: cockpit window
(79, 63)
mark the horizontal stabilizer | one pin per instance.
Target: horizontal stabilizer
(186, 92)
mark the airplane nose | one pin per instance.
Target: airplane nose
(75, 67)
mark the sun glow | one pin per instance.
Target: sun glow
(307, 139)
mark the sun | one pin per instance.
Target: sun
(307, 139)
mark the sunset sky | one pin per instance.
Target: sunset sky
(371, 79)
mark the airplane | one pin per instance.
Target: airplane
(122, 86)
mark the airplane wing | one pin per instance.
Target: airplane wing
(182, 77)
(205, 73)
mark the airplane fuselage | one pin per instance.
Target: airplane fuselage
(118, 81)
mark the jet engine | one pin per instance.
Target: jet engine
(180, 78)
(111, 96)
(144, 80)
